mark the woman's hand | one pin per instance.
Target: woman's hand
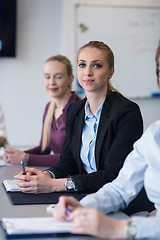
(60, 212)
(36, 181)
(13, 156)
(92, 222)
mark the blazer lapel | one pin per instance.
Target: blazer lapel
(103, 126)
(79, 120)
(78, 128)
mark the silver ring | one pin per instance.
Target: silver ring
(83, 217)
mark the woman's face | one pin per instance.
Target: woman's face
(56, 79)
(93, 70)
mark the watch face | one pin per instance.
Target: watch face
(69, 184)
(131, 230)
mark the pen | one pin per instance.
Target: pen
(23, 168)
(68, 211)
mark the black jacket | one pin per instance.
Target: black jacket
(119, 127)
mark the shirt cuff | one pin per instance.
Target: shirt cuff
(53, 175)
(147, 227)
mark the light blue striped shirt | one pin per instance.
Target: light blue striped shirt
(89, 134)
(141, 168)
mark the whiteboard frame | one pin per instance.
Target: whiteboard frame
(69, 22)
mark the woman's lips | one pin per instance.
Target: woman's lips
(88, 81)
(53, 89)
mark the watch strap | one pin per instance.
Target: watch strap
(25, 159)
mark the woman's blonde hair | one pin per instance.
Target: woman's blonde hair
(109, 56)
(51, 108)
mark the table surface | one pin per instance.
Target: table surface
(9, 210)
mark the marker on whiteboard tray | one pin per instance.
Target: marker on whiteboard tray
(155, 94)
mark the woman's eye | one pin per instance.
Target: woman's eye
(81, 65)
(58, 77)
(97, 65)
(47, 77)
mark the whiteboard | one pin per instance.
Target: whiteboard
(133, 34)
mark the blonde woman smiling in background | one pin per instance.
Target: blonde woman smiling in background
(58, 78)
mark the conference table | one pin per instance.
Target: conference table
(7, 209)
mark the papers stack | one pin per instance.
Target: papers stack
(39, 225)
(2, 162)
(11, 186)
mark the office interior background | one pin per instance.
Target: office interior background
(44, 28)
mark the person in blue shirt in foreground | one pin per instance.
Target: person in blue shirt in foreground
(141, 168)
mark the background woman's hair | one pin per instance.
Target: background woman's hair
(109, 56)
(158, 53)
(51, 109)
(62, 59)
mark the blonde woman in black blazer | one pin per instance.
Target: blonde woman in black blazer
(120, 125)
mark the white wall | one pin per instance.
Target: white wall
(22, 94)
(150, 107)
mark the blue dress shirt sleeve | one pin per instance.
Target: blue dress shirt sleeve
(141, 168)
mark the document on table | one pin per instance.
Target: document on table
(11, 186)
(2, 151)
(39, 225)
(2, 162)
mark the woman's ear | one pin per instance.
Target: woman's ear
(71, 80)
(111, 73)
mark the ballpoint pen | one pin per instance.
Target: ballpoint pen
(68, 211)
(23, 167)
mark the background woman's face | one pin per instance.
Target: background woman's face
(56, 79)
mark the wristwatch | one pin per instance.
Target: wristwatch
(25, 159)
(130, 230)
(70, 186)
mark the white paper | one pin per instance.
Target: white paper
(2, 151)
(3, 163)
(11, 186)
(39, 225)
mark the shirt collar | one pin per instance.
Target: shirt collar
(88, 114)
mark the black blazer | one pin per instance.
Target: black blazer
(119, 127)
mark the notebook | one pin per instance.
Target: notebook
(11, 186)
(2, 162)
(42, 226)
(19, 198)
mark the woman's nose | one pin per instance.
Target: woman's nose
(52, 80)
(88, 71)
